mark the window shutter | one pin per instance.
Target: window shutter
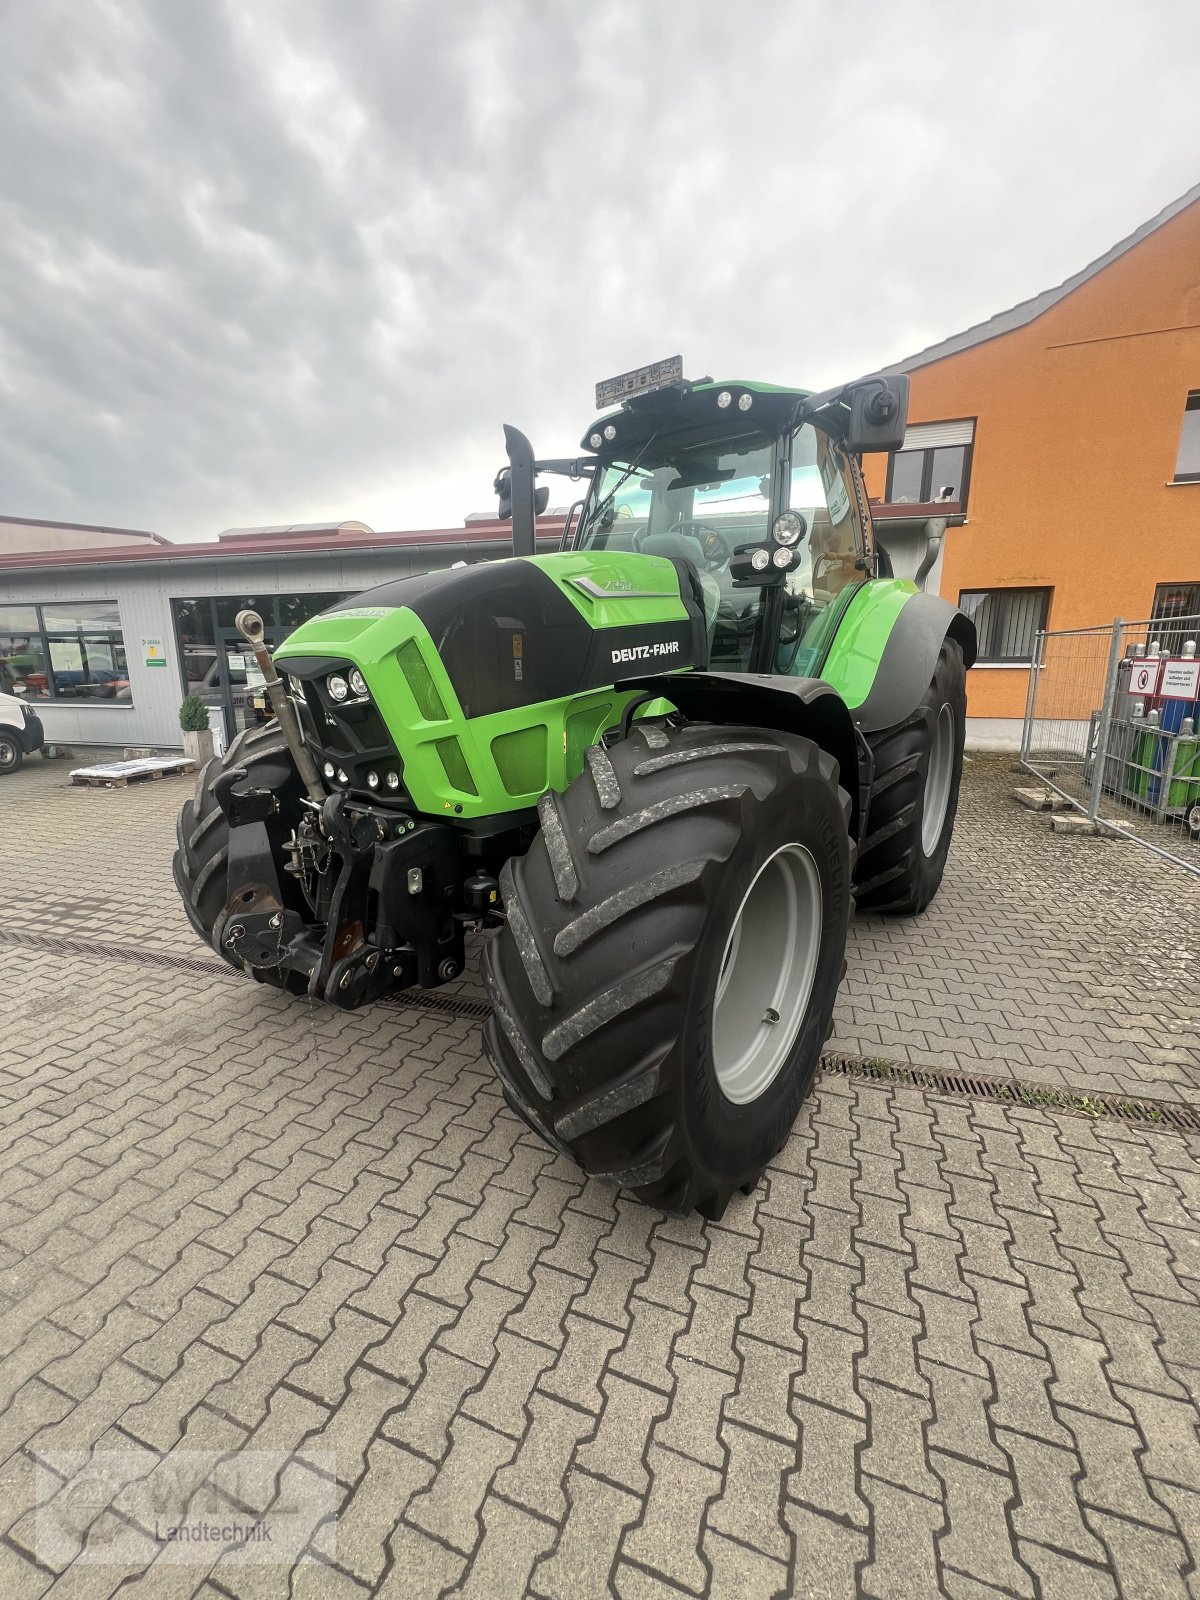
(930, 435)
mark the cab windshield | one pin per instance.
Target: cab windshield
(703, 501)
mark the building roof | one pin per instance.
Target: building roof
(270, 543)
(1017, 316)
(298, 529)
(80, 527)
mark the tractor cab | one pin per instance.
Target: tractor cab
(756, 487)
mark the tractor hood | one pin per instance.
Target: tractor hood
(461, 659)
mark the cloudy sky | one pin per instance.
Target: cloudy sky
(286, 261)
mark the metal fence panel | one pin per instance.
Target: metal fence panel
(1112, 722)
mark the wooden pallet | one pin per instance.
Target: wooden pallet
(120, 774)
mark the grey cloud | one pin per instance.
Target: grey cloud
(292, 260)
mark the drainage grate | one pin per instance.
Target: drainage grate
(1017, 1092)
(971, 1086)
(447, 1005)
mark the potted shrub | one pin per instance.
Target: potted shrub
(197, 736)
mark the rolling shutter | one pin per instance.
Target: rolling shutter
(932, 435)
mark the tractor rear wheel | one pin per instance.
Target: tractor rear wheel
(202, 833)
(914, 796)
(674, 942)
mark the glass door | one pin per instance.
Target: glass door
(247, 704)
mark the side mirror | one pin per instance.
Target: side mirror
(503, 488)
(878, 413)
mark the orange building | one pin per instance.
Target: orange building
(1068, 431)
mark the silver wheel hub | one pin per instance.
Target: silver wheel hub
(937, 780)
(767, 974)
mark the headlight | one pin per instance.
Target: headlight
(337, 686)
(610, 433)
(724, 399)
(357, 682)
(745, 401)
(760, 560)
(372, 780)
(788, 528)
(782, 557)
(596, 440)
(393, 780)
(328, 769)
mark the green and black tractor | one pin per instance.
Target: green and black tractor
(654, 770)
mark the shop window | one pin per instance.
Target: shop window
(216, 662)
(1007, 621)
(64, 651)
(933, 465)
(1187, 462)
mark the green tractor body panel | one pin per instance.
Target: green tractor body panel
(459, 753)
(861, 632)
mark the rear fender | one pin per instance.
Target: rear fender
(804, 706)
(909, 657)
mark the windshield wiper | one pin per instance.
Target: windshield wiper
(605, 505)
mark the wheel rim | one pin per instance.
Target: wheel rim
(8, 755)
(767, 974)
(937, 781)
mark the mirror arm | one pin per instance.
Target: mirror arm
(520, 487)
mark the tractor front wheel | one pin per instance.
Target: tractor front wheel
(914, 796)
(674, 942)
(200, 863)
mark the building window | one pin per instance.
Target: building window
(1007, 621)
(64, 651)
(1176, 615)
(1187, 462)
(934, 464)
(217, 663)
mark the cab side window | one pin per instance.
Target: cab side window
(822, 490)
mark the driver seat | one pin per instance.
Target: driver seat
(682, 546)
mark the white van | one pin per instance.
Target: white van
(20, 732)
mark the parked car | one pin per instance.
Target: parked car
(21, 732)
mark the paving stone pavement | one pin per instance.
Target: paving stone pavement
(947, 1347)
(1068, 961)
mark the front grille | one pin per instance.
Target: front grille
(455, 764)
(420, 682)
(350, 736)
(520, 759)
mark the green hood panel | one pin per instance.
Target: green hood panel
(469, 677)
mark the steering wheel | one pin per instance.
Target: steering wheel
(716, 550)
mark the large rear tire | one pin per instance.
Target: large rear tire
(201, 858)
(675, 939)
(914, 796)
